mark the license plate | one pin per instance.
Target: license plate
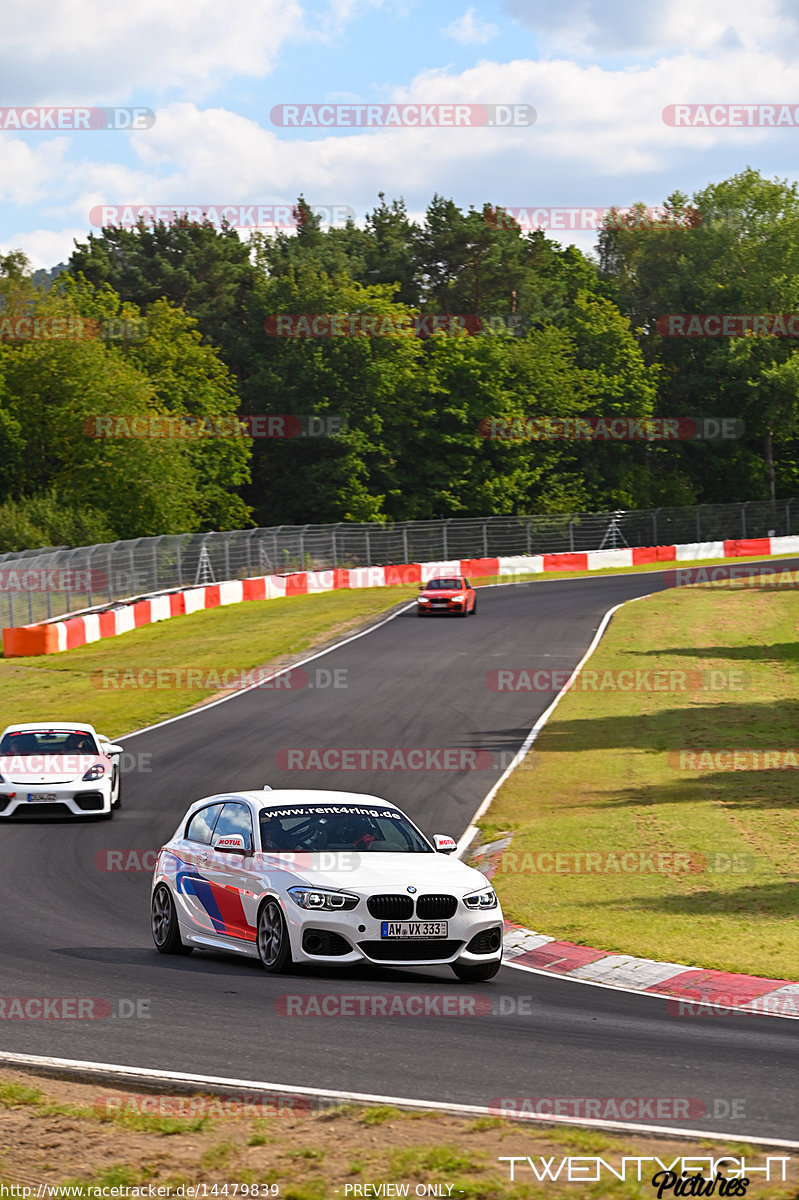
(41, 797)
(413, 929)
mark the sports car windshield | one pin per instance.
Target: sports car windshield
(449, 584)
(48, 741)
(313, 828)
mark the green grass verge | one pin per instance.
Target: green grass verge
(603, 777)
(239, 637)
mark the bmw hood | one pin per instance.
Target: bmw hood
(370, 873)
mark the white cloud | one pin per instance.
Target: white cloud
(580, 28)
(468, 30)
(81, 51)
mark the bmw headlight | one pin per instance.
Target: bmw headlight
(482, 900)
(422, 599)
(95, 772)
(321, 898)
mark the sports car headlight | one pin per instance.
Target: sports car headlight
(320, 898)
(423, 599)
(485, 899)
(95, 772)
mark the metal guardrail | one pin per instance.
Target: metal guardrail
(38, 585)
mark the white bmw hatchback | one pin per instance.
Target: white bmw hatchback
(321, 877)
(58, 769)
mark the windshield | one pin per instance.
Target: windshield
(334, 827)
(445, 583)
(48, 741)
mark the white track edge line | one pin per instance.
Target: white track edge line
(116, 1071)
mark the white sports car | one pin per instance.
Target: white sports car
(58, 769)
(321, 877)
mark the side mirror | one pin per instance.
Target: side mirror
(230, 843)
(112, 748)
(444, 844)
(422, 587)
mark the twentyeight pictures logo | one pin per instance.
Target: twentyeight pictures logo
(402, 116)
(76, 119)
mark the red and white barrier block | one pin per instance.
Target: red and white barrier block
(50, 637)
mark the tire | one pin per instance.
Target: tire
(464, 612)
(106, 816)
(419, 613)
(116, 789)
(476, 972)
(272, 939)
(164, 923)
(474, 608)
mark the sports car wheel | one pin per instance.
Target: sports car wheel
(474, 609)
(476, 972)
(116, 788)
(274, 948)
(164, 923)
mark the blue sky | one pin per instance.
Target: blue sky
(598, 74)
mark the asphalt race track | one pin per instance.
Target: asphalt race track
(72, 929)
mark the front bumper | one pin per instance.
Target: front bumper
(449, 607)
(75, 798)
(355, 937)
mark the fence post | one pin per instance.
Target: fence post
(571, 535)
(10, 609)
(655, 512)
(485, 537)
(529, 551)
(698, 524)
(787, 518)
(368, 549)
(404, 543)
(227, 555)
(444, 541)
(110, 575)
(179, 564)
(335, 548)
(743, 518)
(155, 563)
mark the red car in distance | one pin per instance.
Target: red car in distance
(447, 594)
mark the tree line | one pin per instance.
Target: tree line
(397, 371)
